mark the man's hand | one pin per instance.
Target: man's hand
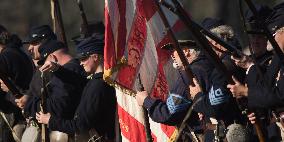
(21, 102)
(238, 90)
(244, 62)
(194, 88)
(43, 118)
(4, 87)
(251, 118)
(140, 97)
(200, 116)
(50, 65)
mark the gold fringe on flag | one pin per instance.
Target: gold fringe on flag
(109, 72)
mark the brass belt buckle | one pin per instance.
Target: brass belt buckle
(31, 122)
(95, 139)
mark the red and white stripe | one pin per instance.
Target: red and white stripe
(134, 30)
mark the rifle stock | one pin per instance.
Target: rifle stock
(259, 131)
(11, 86)
(44, 135)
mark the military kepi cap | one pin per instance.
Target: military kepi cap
(185, 40)
(91, 45)
(263, 11)
(276, 19)
(211, 23)
(183, 44)
(39, 33)
(47, 48)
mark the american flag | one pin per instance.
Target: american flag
(134, 36)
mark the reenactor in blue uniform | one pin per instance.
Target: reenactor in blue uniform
(36, 36)
(257, 39)
(17, 66)
(271, 94)
(95, 116)
(225, 108)
(266, 92)
(63, 93)
(263, 56)
(173, 111)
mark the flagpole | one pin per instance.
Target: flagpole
(146, 117)
(85, 26)
(58, 26)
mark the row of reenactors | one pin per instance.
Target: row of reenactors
(80, 106)
(258, 78)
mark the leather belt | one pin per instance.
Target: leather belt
(210, 126)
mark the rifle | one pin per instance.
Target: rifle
(58, 26)
(85, 26)
(44, 93)
(11, 86)
(145, 112)
(204, 44)
(176, 45)
(17, 94)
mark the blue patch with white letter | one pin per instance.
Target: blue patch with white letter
(216, 96)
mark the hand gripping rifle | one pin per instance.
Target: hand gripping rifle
(58, 26)
(204, 44)
(185, 63)
(175, 43)
(17, 94)
(145, 112)
(44, 93)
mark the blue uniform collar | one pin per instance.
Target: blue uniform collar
(96, 76)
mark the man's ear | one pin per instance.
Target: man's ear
(53, 58)
(94, 56)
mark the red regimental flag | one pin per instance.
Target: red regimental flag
(133, 40)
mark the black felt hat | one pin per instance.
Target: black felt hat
(253, 25)
(49, 47)
(211, 23)
(39, 33)
(185, 40)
